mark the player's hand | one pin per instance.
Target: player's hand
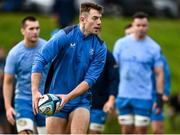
(165, 98)
(158, 105)
(108, 106)
(36, 96)
(156, 109)
(64, 99)
(10, 114)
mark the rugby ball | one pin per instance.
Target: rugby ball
(48, 103)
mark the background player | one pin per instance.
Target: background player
(103, 95)
(18, 65)
(138, 57)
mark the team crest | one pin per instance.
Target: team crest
(91, 52)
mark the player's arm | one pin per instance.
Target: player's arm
(113, 81)
(80, 89)
(96, 66)
(49, 51)
(109, 105)
(167, 81)
(8, 95)
(8, 83)
(159, 79)
(160, 87)
(36, 95)
(43, 57)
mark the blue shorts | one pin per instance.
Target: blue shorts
(98, 116)
(154, 115)
(67, 109)
(24, 109)
(133, 106)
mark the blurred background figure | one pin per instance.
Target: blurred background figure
(128, 29)
(103, 95)
(138, 57)
(63, 12)
(4, 125)
(18, 67)
(157, 119)
(13, 5)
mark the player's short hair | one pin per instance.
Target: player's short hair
(140, 15)
(87, 6)
(28, 18)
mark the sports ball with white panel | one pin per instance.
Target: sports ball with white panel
(48, 103)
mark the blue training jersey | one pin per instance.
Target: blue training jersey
(167, 78)
(19, 63)
(74, 58)
(136, 60)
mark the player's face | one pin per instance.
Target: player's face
(140, 27)
(31, 31)
(92, 23)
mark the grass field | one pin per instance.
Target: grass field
(166, 32)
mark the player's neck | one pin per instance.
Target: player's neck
(30, 44)
(138, 37)
(84, 31)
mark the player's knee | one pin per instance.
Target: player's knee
(96, 127)
(24, 124)
(126, 119)
(141, 120)
(158, 128)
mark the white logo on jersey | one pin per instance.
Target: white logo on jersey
(72, 44)
(91, 51)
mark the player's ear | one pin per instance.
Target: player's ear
(81, 18)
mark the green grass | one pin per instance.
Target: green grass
(164, 31)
